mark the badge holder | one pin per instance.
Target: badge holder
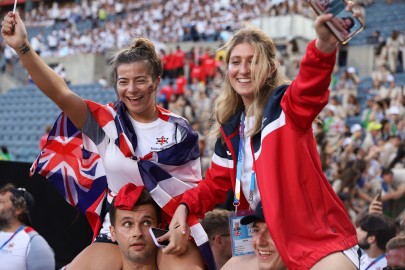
(241, 235)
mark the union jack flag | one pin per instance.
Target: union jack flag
(78, 174)
(72, 170)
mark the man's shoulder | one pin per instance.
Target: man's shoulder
(241, 262)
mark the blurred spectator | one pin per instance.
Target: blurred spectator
(352, 106)
(333, 125)
(357, 134)
(21, 247)
(394, 45)
(396, 253)
(216, 225)
(393, 117)
(166, 92)
(367, 113)
(373, 233)
(381, 74)
(347, 84)
(181, 83)
(179, 57)
(391, 191)
(4, 154)
(181, 106)
(389, 150)
(294, 57)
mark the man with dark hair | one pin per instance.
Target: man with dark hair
(373, 233)
(396, 253)
(216, 225)
(132, 213)
(21, 247)
(266, 255)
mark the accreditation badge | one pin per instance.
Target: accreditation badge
(241, 235)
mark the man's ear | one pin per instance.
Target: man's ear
(18, 212)
(112, 231)
(371, 239)
(219, 241)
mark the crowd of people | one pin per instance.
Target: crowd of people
(115, 23)
(262, 121)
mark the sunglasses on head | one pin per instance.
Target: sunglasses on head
(19, 192)
(394, 268)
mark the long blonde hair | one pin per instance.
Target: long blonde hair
(267, 70)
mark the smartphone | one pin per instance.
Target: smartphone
(344, 25)
(379, 194)
(156, 233)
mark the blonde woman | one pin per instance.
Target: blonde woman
(266, 147)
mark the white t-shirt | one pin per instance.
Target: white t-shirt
(247, 166)
(25, 251)
(365, 261)
(151, 137)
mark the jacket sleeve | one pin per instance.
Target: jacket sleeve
(213, 189)
(308, 94)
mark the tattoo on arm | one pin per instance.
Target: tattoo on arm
(24, 48)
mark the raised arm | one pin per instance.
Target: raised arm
(308, 93)
(51, 84)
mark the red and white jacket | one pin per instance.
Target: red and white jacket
(306, 219)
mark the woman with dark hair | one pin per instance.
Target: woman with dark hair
(94, 150)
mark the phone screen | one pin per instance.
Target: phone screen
(156, 233)
(344, 25)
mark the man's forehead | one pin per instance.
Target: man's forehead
(141, 211)
(259, 223)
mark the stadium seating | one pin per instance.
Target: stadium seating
(382, 17)
(25, 112)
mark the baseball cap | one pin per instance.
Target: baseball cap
(128, 196)
(390, 78)
(30, 202)
(393, 110)
(256, 216)
(331, 108)
(351, 70)
(354, 128)
(373, 126)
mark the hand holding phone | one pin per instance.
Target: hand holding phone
(379, 194)
(156, 233)
(344, 24)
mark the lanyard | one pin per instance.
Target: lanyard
(239, 166)
(11, 237)
(375, 261)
